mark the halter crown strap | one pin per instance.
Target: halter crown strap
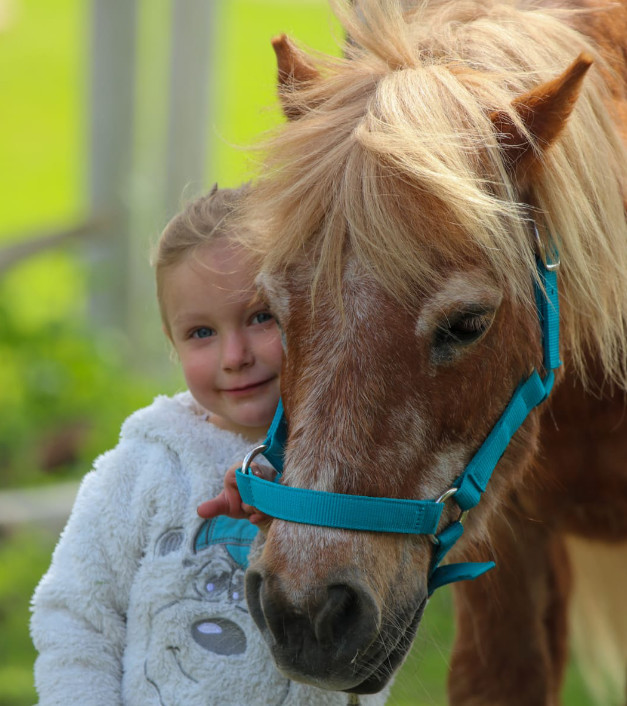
(404, 516)
(276, 438)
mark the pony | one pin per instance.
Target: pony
(399, 217)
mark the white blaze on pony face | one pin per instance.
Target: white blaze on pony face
(324, 379)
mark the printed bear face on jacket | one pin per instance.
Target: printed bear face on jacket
(204, 647)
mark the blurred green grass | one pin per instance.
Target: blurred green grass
(47, 371)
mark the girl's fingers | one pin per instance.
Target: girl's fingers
(214, 507)
(264, 472)
(229, 501)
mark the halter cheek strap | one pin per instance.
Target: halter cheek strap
(358, 512)
(529, 394)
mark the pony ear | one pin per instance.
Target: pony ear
(544, 111)
(295, 71)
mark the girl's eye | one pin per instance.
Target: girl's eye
(262, 317)
(203, 332)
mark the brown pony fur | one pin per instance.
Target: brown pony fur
(397, 202)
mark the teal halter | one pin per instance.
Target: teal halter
(358, 512)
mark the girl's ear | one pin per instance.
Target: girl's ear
(544, 111)
(294, 72)
(173, 355)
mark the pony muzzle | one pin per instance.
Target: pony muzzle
(318, 640)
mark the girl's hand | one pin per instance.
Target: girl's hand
(229, 501)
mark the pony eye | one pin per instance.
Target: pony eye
(460, 329)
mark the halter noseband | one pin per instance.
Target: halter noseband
(358, 512)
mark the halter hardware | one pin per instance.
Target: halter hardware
(397, 515)
(250, 455)
(550, 260)
(450, 493)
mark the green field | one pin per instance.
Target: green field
(57, 372)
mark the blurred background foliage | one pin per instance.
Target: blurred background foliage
(61, 372)
(67, 381)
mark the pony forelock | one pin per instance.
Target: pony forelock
(395, 162)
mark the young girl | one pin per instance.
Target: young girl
(143, 603)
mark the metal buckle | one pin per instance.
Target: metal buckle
(462, 513)
(250, 455)
(550, 260)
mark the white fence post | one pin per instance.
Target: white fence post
(172, 150)
(136, 202)
(186, 155)
(111, 121)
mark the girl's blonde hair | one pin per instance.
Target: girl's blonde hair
(202, 221)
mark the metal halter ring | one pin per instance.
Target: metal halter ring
(442, 499)
(250, 455)
(550, 260)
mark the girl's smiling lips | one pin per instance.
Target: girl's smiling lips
(248, 389)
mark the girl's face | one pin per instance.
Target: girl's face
(227, 341)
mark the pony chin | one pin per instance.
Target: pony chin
(378, 679)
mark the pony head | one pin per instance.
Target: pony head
(395, 220)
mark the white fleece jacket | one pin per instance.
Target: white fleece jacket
(143, 603)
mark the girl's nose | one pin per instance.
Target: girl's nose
(236, 351)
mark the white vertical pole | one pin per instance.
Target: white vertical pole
(112, 79)
(171, 164)
(192, 26)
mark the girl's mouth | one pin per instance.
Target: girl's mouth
(248, 389)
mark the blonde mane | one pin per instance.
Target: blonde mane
(395, 158)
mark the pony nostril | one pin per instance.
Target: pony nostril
(347, 618)
(336, 622)
(252, 585)
(336, 615)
